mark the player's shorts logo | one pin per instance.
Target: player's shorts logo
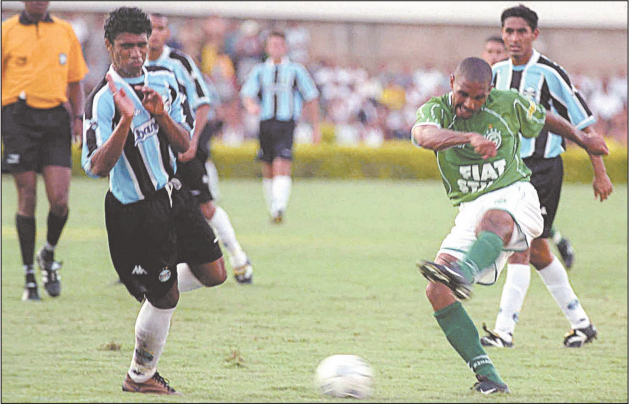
(493, 135)
(164, 275)
(63, 59)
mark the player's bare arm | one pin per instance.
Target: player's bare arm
(592, 143)
(437, 139)
(251, 105)
(76, 96)
(601, 183)
(178, 136)
(107, 155)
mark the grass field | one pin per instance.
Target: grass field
(337, 277)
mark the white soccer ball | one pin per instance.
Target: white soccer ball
(345, 376)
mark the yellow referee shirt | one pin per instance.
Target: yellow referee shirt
(39, 59)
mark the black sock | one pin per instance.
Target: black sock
(26, 233)
(55, 227)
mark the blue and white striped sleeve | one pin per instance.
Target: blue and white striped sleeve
(252, 85)
(97, 127)
(568, 101)
(305, 84)
(196, 89)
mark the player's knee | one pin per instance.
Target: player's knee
(213, 273)
(439, 295)
(208, 209)
(497, 221)
(59, 205)
(168, 301)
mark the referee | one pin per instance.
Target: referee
(276, 90)
(42, 68)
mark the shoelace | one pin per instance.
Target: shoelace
(158, 378)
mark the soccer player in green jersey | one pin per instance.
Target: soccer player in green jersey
(475, 131)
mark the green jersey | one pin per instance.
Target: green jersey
(503, 118)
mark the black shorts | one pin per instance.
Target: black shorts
(147, 239)
(35, 138)
(276, 140)
(194, 175)
(209, 130)
(547, 178)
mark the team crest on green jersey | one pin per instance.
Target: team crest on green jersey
(494, 135)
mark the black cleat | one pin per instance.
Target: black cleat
(567, 252)
(31, 294)
(579, 337)
(495, 340)
(486, 386)
(451, 276)
(49, 267)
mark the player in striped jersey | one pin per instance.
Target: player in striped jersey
(191, 164)
(495, 51)
(136, 120)
(539, 78)
(277, 90)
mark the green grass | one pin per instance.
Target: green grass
(337, 277)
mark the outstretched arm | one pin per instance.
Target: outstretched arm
(602, 184)
(437, 139)
(593, 144)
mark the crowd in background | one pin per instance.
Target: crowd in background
(357, 106)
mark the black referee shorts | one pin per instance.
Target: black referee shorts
(35, 138)
(547, 178)
(276, 140)
(148, 238)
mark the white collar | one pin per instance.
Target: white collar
(121, 82)
(534, 58)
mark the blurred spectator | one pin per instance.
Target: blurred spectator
(214, 28)
(298, 41)
(249, 49)
(606, 105)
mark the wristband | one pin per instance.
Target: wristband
(78, 117)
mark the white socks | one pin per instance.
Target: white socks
(513, 293)
(151, 331)
(276, 192)
(281, 192)
(212, 173)
(556, 280)
(225, 232)
(186, 279)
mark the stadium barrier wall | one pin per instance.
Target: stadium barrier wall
(394, 159)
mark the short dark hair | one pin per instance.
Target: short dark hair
(495, 38)
(474, 69)
(127, 19)
(521, 11)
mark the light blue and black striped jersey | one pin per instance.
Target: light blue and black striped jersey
(282, 89)
(147, 162)
(188, 75)
(548, 84)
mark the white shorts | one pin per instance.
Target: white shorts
(520, 201)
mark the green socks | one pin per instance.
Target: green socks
(483, 253)
(463, 336)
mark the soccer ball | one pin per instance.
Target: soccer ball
(344, 376)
